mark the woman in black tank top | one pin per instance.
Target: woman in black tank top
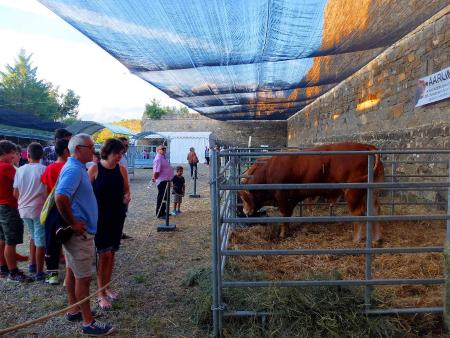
(110, 183)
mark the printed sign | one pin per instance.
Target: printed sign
(434, 87)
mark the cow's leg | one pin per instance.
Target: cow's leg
(284, 228)
(377, 235)
(286, 209)
(356, 204)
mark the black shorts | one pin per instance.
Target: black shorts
(11, 225)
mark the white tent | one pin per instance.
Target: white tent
(180, 142)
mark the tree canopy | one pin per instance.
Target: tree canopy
(21, 90)
(154, 110)
(104, 134)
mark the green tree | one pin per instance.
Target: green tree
(21, 90)
(154, 110)
(68, 105)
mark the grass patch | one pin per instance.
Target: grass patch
(139, 278)
(157, 326)
(298, 312)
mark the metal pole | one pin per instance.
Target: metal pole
(446, 260)
(194, 194)
(219, 223)
(448, 203)
(235, 180)
(393, 179)
(167, 198)
(369, 212)
(215, 234)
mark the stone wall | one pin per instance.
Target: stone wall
(392, 79)
(231, 133)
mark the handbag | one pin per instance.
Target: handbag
(52, 219)
(63, 232)
(49, 203)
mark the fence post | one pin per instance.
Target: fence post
(447, 260)
(369, 212)
(393, 179)
(234, 180)
(215, 247)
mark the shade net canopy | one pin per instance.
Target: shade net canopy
(245, 60)
(21, 119)
(91, 127)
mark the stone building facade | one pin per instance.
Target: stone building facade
(230, 133)
(390, 82)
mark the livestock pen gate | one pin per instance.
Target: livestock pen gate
(228, 167)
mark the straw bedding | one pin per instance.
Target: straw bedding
(339, 235)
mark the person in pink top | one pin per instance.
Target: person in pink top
(162, 175)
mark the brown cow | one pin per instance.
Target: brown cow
(314, 169)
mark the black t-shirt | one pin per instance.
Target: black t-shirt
(178, 184)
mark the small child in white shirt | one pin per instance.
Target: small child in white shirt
(31, 196)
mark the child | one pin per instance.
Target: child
(11, 226)
(49, 178)
(177, 191)
(31, 196)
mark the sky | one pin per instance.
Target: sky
(108, 91)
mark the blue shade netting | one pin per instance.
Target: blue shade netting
(245, 60)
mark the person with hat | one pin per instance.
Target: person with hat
(162, 175)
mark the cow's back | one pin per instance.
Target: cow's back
(318, 168)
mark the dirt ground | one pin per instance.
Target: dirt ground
(150, 268)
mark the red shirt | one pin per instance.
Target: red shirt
(7, 173)
(51, 174)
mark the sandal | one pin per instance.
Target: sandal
(104, 303)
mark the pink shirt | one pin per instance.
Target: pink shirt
(162, 166)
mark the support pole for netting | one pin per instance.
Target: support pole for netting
(369, 212)
(215, 247)
(194, 193)
(447, 260)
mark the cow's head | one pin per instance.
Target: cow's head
(248, 202)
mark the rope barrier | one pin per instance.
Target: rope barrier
(64, 310)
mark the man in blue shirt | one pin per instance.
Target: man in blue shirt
(77, 205)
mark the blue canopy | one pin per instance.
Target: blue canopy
(21, 119)
(91, 127)
(245, 59)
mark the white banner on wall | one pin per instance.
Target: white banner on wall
(434, 87)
